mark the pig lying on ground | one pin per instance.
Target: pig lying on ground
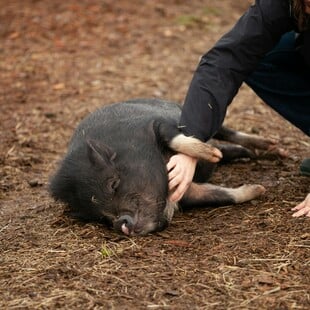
(115, 166)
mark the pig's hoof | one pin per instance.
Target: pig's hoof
(248, 192)
(256, 189)
(215, 155)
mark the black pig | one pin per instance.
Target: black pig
(115, 166)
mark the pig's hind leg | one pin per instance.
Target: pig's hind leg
(232, 152)
(258, 145)
(211, 195)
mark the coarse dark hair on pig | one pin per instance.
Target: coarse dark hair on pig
(114, 170)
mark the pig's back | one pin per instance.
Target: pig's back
(125, 120)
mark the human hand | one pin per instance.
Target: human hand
(181, 170)
(303, 208)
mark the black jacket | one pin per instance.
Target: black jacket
(222, 70)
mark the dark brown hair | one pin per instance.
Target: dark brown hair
(300, 15)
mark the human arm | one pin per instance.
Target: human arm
(222, 70)
(219, 75)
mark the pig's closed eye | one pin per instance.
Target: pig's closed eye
(94, 200)
(112, 184)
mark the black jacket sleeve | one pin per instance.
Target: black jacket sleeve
(222, 70)
(305, 47)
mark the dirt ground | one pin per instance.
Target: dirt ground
(59, 60)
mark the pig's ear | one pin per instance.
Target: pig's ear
(100, 155)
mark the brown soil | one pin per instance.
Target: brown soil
(59, 60)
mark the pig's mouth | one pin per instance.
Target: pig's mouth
(131, 227)
(125, 229)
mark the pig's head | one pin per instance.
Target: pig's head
(131, 199)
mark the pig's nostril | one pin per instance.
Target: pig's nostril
(126, 219)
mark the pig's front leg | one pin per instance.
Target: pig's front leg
(195, 148)
(169, 134)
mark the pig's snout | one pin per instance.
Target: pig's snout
(131, 227)
(125, 224)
